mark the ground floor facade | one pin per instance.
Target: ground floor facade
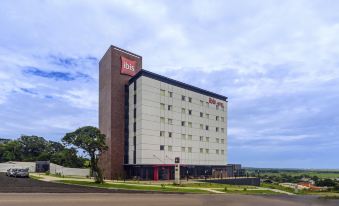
(166, 171)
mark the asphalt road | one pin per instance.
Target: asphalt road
(28, 185)
(30, 192)
(77, 199)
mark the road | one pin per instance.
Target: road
(105, 199)
(30, 192)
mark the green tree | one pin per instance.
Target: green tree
(32, 147)
(12, 151)
(91, 141)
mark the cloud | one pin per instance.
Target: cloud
(275, 60)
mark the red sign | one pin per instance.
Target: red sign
(128, 66)
(213, 101)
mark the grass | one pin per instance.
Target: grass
(164, 188)
(215, 185)
(278, 187)
(250, 192)
(319, 174)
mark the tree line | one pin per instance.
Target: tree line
(34, 148)
(89, 139)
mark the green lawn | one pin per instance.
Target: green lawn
(300, 173)
(215, 185)
(250, 192)
(133, 187)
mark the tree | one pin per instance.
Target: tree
(91, 141)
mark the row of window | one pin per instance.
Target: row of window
(189, 137)
(190, 124)
(189, 112)
(189, 149)
(183, 98)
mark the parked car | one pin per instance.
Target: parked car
(22, 173)
(11, 172)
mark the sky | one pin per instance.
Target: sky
(276, 61)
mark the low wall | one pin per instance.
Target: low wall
(237, 181)
(54, 169)
(19, 165)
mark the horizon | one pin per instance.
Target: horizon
(275, 61)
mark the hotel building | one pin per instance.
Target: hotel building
(149, 120)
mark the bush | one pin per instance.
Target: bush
(163, 186)
(225, 189)
(245, 189)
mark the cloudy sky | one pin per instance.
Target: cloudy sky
(277, 61)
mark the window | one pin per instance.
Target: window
(135, 112)
(135, 86)
(183, 149)
(222, 151)
(217, 151)
(169, 148)
(170, 94)
(206, 127)
(207, 115)
(190, 99)
(170, 121)
(201, 138)
(217, 129)
(170, 134)
(207, 139)
(190, 124)
(201, 103)
(217, 118)
(190, 112)
(162, 133)
(183, 123)
(183, 136)
(170, 107)
(217, 140)
(189, 149)
(135, 99)
(134, 126)
(162, 106)
(183, 98)
(222, 130)
(162, 119)
(222, 141)
(201, 114)
(162, 92)
(183, 110)
(201, 126)
(162, 147)
(207, 151)
(222, 119)
(189, 137)
(201, 150)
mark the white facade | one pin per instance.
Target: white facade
(168, 126)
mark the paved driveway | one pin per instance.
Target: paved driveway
(28, 185)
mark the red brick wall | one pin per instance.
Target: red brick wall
(111, 108)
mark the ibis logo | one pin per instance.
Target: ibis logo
(128, 66)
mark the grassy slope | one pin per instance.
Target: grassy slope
(134, 187)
